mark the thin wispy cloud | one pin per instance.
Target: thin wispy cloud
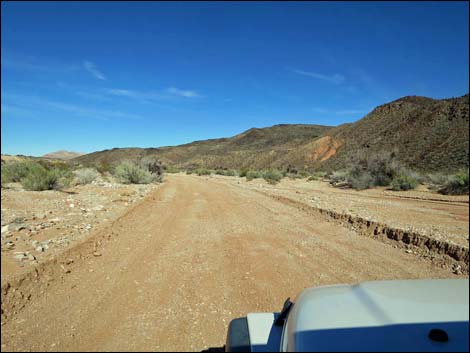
(122, 92)
(32, 64)
(169, 93)
(91, 68)
(41, 105)
(183, 93)
(335, 78)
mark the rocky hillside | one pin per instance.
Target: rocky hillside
(426, 134)
(64, 155)
(254, 148)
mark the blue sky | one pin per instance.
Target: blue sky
(90, 76)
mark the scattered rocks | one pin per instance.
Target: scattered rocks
(30, 217)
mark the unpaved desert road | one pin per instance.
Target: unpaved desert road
(185, 261)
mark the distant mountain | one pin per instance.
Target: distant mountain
(426, 134)
(64, 155)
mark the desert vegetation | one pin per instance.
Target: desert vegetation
(145, 171)
(384, 169)
(456, 184)
(40, 175)
(86, 175)
(36, 176)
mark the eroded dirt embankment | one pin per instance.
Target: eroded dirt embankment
(452, 255)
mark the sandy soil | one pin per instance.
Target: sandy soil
(174, 269)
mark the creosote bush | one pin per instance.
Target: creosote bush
(253, 174)
(272, 176)
(457, 184)
(128, 172)
(404, 182)
(85, 175)
(39, 179)
(203, 171)
(13, 172)
(37, 176)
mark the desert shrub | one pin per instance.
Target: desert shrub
(153, 165)
(189, 172)
(272, 176)
(404, 182)
(203, 171)
(303, 174)
(253, 174)
(128, 172)
(172, 169)
(457, 184)
(39, 179)
(227, 172)
(371, 170)
(15, 171)
(104, 167)
(381, 167)
(243, 173)
(59, 165)
(339, 176)
(361, 181)
(437, 179)
(85, 175)
(291, 170)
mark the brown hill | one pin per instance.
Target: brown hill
(255, 148)
(64, 155)
(427, 134)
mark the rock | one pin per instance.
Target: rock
(20, 256)
(31, 257)
(409, 251)
(9, 245)
(54, 220)
(40, 248)
(457, 270)
(19, 220)
(16, 227)
(98, 208)
(96, 253)
(69, 261)
(5, 229)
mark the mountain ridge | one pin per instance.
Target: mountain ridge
(427, 134)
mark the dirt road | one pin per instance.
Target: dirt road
(175, 269)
